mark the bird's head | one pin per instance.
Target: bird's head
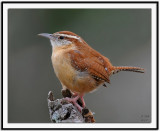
(62, 38)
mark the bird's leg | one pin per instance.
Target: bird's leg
(74, 101)
(83, 102)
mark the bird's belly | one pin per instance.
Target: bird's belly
(76, 81)
(84, 83)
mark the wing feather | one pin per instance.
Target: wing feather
(94, 64)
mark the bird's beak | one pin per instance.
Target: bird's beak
(49, 36)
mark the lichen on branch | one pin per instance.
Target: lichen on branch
(62, 111)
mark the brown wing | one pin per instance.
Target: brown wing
(93, 64)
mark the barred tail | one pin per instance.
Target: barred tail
(126, 68)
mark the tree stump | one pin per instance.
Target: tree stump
(62, 111)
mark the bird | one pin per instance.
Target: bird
(79, 67)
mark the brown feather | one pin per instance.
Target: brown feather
(94, 64)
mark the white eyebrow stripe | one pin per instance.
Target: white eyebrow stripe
(69, 36)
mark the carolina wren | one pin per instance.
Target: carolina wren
(79, 67)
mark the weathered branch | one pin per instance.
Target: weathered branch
(61, 111)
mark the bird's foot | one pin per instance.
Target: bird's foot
(74, 101)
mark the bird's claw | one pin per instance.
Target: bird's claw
(74, 101)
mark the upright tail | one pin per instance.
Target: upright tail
(126, 68)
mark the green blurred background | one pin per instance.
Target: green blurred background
(123, 35)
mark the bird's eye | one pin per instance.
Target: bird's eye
(61, 37)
